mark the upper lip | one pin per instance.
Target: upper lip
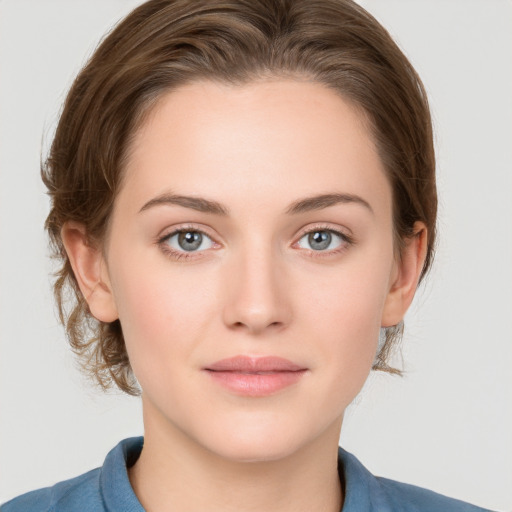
(248, 364)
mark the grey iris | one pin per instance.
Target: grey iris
(319, 240)
(190, 240)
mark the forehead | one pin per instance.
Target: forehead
(270, 141)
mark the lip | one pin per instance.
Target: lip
(255, 376)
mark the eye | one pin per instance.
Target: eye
(324, 240)
(185, 241)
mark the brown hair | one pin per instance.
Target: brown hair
(166, 43)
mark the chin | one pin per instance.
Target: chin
(258, 441)
(255, 450)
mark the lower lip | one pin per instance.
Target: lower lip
(256, 384)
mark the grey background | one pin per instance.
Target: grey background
(447, 424)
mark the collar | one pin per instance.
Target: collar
(117, 492)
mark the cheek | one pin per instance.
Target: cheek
(170, 313)
(162, 312)
(352, 333)
(349, 299)
(343, 313)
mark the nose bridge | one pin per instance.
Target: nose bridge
(256, 292)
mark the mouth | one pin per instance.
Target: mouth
(255, 376)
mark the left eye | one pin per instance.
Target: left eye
(322, 239)
(189, 241)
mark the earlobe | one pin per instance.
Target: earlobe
(405, 277)
(90, 271)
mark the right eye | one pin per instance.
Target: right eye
(182, 242)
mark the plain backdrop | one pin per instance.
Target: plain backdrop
(447, 425)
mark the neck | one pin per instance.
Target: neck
(176, 473)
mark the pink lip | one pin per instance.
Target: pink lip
(255, 376)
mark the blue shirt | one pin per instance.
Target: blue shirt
(108, 489)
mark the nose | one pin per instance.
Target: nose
(258, 294)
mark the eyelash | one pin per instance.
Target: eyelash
(346, 241)
(178, 255)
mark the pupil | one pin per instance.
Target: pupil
(320, 240)
(189, 240)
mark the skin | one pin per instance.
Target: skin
(255, 287)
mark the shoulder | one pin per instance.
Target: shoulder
(77, 494)
(368, 493)
(417, 499)
(101, 489)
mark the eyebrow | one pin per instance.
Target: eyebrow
(196, 203)
(322, 201)
(307, 204)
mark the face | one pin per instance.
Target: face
(250, 261)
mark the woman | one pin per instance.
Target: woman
(243, 198)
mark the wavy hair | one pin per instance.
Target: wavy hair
(164, 44)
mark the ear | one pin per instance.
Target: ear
(90, 271)
(405, 276)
